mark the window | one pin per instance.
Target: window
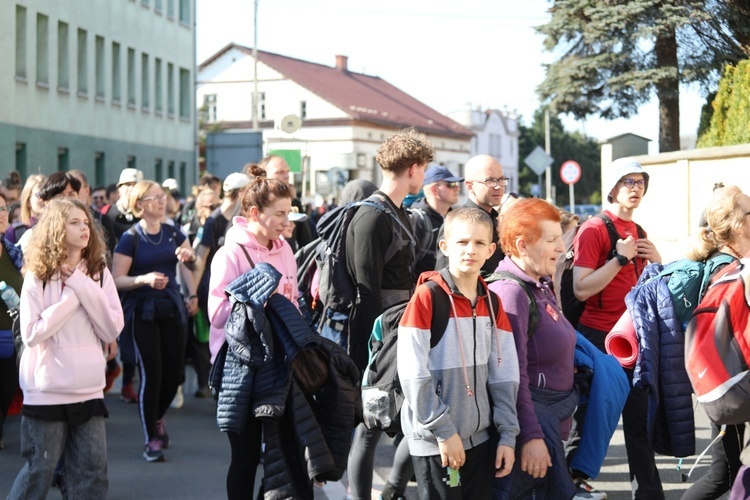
(131, 78)
(63, 63)
(209, 108)
(157, 6)
(131, 161)
(184, 11)
(83, 74)
(145, 91)
(99, 61)
(42, 50)
(183, 174)
(158, 84)
(170, 9)
(63, 160)
(170, 169)
(21, 159)
(185, 90)
(100, 171)
(158, 170)
(170, 90)
(20, 42)
(303, 109)
(262, 106)
(116, 74)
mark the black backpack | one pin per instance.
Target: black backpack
(533, 309)
(337, 291)
(572, 308)
(425, 246)
(382, 396)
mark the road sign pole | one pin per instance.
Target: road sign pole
(572, 199)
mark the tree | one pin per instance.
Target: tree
(730, 110)
(565, 146)
(616, 54)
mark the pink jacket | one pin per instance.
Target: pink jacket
(230, 262)
(64, 329)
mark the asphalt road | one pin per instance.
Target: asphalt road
(198, 458)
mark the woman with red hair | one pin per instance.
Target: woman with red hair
(531, 238)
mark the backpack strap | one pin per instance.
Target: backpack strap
(422, 225)
(378, 202)
(525, 286)
(247, 255)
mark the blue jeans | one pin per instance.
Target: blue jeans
(84, 447)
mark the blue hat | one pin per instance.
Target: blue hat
(439, 173)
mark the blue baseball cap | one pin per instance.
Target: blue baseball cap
(437, 173)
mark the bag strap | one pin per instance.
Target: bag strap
(533, 309)
(247, 255)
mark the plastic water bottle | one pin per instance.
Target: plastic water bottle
(9, 296)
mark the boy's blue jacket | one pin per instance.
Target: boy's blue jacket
(607, 396)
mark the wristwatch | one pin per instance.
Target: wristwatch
(621, 259)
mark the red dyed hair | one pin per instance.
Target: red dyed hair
(523, 220)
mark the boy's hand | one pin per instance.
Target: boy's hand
(504, 460)
(647, 250)
(535, 458)
(452, 452)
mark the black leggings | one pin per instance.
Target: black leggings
(724, 465)
(160, 347)
(246, 448)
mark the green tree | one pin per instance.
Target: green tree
(565, 146)
(730, 109)
(615, 55)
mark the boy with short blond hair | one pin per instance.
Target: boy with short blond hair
(468, 381)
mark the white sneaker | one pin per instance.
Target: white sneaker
(179, 400)
(584, 491)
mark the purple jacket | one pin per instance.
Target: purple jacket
(545, 360)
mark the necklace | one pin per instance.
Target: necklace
(735, 252)
(148, 238)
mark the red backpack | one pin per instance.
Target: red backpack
(717, 346)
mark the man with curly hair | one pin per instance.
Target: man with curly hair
(403, 159)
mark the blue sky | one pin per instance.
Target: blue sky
(443, 53)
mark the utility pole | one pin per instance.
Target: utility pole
(255, 66)
(548, 150)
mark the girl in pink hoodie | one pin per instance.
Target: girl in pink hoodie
(70, 317)
(254, 237)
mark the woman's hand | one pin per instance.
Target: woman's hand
(191, 303)
(535, 458)
(157, 281)
(186, 255)
(110, 350)
(65, 272)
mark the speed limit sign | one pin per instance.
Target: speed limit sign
(570, 172)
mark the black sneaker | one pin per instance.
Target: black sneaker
(161, 434)
(584, 491)
(152, 451)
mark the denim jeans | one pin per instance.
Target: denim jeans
(84, 447)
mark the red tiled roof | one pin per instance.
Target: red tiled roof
(366, 98)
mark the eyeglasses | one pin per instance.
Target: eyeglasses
(451, 185)
(491, 182)
(98, 197)
(4, 209)
(631, 183)
(158, 197)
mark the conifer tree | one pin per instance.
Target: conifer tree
(615, 55)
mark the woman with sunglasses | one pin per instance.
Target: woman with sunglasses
(144, 268)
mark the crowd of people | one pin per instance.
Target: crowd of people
(511, 401)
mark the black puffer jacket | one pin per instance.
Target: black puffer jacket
(310, 436)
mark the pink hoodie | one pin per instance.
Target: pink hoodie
(230, 263)
(64, 329)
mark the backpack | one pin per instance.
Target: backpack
(337, 291)
(717, 346)
(688, 281)
(425, 235)
(382, 396)
(572, 308)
